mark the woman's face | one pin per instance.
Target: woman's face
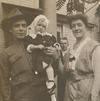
(41, 26)
(78, 28)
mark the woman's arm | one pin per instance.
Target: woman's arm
(51, 51)
(96, 67)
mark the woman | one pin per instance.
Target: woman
(83, 68)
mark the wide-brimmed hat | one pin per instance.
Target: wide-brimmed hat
(15, 15)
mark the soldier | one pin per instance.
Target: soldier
(18, 79)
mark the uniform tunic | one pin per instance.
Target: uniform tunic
(18, 79)
(80, 81)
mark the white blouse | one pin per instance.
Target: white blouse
(75, 53)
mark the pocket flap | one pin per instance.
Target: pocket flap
(14, 58)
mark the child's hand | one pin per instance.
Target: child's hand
(40, 46)
(39, 33)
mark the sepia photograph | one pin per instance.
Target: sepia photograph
(49, 50)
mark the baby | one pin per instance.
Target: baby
(38, 41)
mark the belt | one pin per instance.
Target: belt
(27, 84)
(75, 76)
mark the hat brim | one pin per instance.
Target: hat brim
(6, 22)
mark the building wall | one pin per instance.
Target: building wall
(2, 39)
(65, 28)
(92, 19)
(68, 33)
(24, 3)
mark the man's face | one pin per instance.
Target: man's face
(41, 26)
(19, 29)
(78, 28)
(64, 44)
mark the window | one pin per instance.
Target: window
(59, 32)
(40, 4)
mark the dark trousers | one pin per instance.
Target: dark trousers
(61, 87)
(30, 92)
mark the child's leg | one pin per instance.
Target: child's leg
(53, 97)
(50, 82)
(50, 76)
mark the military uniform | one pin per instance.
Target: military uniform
(18, 79)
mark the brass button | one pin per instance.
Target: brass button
(36, 72)
(44, 42)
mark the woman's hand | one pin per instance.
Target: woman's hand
(93, 98)
(51, 51)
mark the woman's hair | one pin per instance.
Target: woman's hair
(81, 16)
